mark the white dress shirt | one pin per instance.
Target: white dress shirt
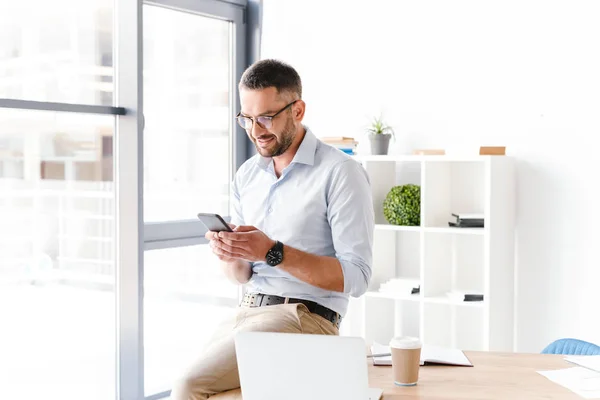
(322, 205)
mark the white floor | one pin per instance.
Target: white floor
(58, 342)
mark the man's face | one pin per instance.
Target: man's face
(270, 141)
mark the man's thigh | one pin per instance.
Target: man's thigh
(211, 368)
(216, 371)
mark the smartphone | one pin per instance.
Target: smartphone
(214, 222)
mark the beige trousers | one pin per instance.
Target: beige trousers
(216, 370)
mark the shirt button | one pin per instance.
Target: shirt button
(270, 209)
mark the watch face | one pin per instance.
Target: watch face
(274, 257)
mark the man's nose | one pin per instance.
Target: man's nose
(257, 131)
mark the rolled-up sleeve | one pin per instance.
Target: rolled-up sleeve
(351, 217)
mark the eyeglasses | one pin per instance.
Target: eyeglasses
(264, 121)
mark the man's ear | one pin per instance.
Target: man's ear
(299, 110)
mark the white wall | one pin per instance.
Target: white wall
(459, 74)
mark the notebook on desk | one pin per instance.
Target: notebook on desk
(430, 355)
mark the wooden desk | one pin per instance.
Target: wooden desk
(506, 376)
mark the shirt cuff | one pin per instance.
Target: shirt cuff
(356, 277)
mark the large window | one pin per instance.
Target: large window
(185, 298)
(57, 255)
(57, 202)
(187, 107)
(59, 50)
(107, 286)
(189, 104)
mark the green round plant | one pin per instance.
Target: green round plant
(402, 205)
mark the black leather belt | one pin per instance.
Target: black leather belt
(261, 300)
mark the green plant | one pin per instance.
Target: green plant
(378, 127)
(402, 205)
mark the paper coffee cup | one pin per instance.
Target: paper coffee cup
(406, 359)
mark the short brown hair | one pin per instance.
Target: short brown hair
(272, 73)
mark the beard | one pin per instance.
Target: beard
(282, 142)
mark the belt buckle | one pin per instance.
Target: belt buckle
(249, 300)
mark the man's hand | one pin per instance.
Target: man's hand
(216, 245)
(235, 268)
(246, 243)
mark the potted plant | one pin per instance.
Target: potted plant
(402, 205)
(379, 136)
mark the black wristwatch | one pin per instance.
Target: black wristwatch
(275, 254)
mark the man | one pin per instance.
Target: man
(303, 229)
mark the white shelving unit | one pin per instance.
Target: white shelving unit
(443, 258)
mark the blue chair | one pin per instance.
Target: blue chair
(572, 347)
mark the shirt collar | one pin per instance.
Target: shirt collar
(304, 155)
(306, 151)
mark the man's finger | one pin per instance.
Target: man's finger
(234, 236)
(245, 228)
(234, 243)
(228, 248)
(223, 253)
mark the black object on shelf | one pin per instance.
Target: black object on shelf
(466, 222)
(416, 290)
(473, 297)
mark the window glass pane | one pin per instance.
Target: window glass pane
(60, 50)
(187, 89)
(57, 339)
(185, 297)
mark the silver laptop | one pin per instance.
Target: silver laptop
(291, 366)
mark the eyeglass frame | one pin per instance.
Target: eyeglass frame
(269, 117)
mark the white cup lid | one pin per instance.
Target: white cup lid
(405, 342)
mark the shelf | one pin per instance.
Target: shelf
(431, 229)
(430, 300)
(389, 227)
(447, 301)
(419, 158)
(393, 296)
(440, 257)
(457, 231)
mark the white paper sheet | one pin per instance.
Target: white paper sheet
(443, 355)
(579, 380)
(591, 362)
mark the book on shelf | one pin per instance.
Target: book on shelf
(430, 355)
(335, 139)
(342, 143)
(347, 150)
(492, 150)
